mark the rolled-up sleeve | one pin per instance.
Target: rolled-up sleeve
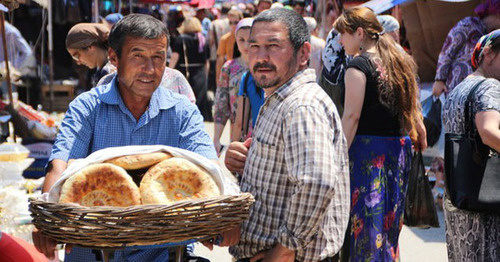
(192, 134)
(308, 138)
(76, 131)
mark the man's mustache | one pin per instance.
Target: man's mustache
(264, 66)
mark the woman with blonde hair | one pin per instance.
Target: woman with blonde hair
(190, 55)
(381, 114)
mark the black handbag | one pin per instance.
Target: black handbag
(431, 110)
(472, 169)
(420, 210)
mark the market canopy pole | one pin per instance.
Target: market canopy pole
(96, 11)
(6, 56)
(51, 56)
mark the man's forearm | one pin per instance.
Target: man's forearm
(56, 168)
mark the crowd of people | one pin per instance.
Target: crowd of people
(322, 132)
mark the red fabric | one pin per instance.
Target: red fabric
(164, 1)
(14, 249)
(200, 4)
(193, 3)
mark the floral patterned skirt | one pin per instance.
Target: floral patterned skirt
(379, 168)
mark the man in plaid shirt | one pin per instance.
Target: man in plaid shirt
(296, 163)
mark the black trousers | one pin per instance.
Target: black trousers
(328, 259)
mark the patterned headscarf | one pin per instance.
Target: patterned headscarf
(484, 41)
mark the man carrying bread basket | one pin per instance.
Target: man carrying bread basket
(129, 110)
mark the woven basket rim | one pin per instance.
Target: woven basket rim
(118, 227)
(145, 206)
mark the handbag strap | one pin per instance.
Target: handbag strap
(185, 58)
(470, 127)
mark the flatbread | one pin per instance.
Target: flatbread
(176, 179)
(101, 185)
(139, 161)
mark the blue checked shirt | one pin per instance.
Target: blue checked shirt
(298, 171)
(99, 119)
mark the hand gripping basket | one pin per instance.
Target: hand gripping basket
(113, 227)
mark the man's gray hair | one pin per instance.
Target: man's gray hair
(137, 26)
(298, 33)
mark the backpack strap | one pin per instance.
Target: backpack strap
(246, 108)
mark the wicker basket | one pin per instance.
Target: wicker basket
(111, 227)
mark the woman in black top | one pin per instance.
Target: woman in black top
(381, 113)
(190, 54)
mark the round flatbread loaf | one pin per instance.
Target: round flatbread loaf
(101, 185)
(176, 179)
(139, 161)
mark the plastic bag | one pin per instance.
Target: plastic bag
(431, 110)
(420, 210)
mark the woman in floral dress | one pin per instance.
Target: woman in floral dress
(228, 85)
(381, 113)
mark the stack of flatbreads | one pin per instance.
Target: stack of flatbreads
(154, 178)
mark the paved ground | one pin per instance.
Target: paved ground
(416, 245)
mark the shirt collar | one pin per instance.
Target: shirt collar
(161, 98)
(298, 80)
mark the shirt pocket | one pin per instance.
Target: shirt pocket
(266, 163)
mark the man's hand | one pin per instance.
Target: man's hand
(278, 254)
(236, 156)
(438, 88)
(229, 238)
(44, 244)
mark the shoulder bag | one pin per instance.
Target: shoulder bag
(472, 169)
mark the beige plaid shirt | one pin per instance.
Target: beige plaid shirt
(297, 168)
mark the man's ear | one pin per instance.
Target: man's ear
(113, 57)
(304, 53)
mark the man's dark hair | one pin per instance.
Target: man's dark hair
(137, 26)
(298, 32)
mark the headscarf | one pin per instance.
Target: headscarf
(83, 35)
(484, 41)
(245, 22)
(388, 22)
(489, 7)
